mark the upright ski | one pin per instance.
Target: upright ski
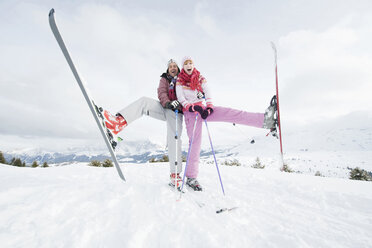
(106, 134)
(277, 104)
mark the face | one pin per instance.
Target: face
(188, 66)
(173, 69)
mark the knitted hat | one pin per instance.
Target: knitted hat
(172, 61)
(185, 59)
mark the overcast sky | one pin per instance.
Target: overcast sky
(121, 47)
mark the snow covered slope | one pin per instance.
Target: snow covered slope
(331, 152)
(81, 206)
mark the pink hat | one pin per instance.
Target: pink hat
(185, 59)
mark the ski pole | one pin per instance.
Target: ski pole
(176, 162)
(214, 155)
(188, 153)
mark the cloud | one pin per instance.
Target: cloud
(323, 73)
(205, 21)
(120, 50)
(120, 59)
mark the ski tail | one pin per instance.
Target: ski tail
(57, 35)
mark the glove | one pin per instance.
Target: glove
(196, 108)
(168, 105)
(175, 104)
(200, 95)
(172, 105)
(207, 112)
(210, 110)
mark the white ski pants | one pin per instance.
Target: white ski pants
(153, 108)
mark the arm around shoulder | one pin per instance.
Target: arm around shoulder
(163, 92)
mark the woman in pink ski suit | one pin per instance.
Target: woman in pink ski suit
(191, 88)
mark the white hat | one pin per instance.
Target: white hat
(185, 59)
(172, 61)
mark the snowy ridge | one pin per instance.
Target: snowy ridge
(128, 151)
(331, 152)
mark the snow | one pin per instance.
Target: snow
(81, 206)
(332, 152)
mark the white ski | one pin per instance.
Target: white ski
(110, 143)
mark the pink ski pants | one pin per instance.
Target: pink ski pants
(220, 114)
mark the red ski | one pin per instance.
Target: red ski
(277, 105)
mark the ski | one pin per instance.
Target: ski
(225, 210)
(277, 104)
(175, 188)
(195, 199)
(200, 197)
(106, 134)
(112, 138)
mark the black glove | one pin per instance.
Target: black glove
(173, 105)
(210, 110)
(196, 108)
(207, 112)
(168, 105)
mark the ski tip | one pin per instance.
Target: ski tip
(51, 12)
(225, 210)
(222, 210)
(273, 46)
(275, 51)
